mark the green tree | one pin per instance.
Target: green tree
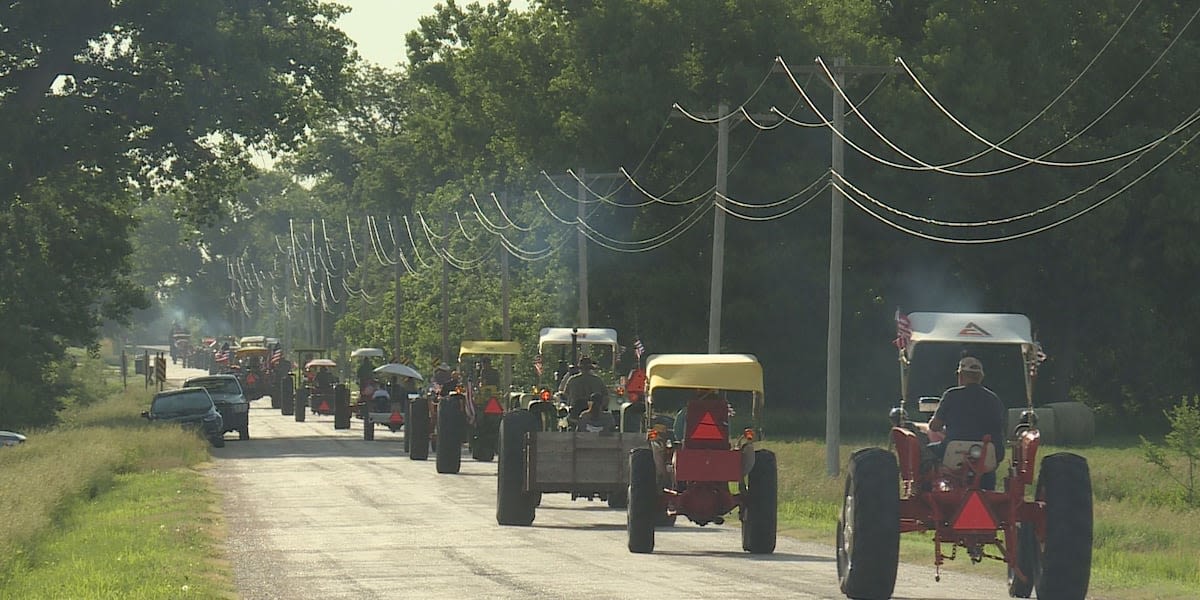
(105, 102)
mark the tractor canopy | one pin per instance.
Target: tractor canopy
(367, 353)
(738, 372)
(246, 351)
(488, 347)
(259, 341)
(550, 336)
(982, 334)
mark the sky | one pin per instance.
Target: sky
(379, 26)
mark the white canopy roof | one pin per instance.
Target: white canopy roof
(969, 328)
(584, 335)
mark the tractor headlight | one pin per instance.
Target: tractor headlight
(975, 452)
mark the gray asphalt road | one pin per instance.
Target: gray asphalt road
(317, 513)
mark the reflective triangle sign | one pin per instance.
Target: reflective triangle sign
(707, 429)
(974, 514)
(396, 419)
(973, 330)
(324, 407)
(493, 407)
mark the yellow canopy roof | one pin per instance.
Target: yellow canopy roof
(705, 371)
(250, 350)
(488, 347)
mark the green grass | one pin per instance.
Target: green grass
(108, 505)
(1146, 544)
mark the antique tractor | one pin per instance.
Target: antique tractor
(1045, 541)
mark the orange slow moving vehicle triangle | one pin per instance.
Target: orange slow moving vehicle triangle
(395, 418)
(493, 407)
(707, 429)
(974, 514)
(324, 407)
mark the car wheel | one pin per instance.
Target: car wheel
(868, 531)
(514, 505)
(1065, 484)
(244, 433)
(451, 423)
(218, 441)
(644, 502)
(759, 511)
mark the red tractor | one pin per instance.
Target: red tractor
(691, 462)
(1046, 541)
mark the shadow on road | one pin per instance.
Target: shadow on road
(583, 526)
(776, 557)
(310, 446)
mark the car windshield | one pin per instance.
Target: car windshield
(217, 385)
(181, 403)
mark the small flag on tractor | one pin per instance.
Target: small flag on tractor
(276, 356)
(537, 364)
(903, 330)
(638, 348)
(222, 356)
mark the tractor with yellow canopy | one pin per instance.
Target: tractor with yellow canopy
(698, 446)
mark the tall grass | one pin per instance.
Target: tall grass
(40, 479)
(1146, 542)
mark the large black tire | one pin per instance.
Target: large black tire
(618, 499)
(244, 433)
(341, 407)
(645, 504)
(868, 531)
(418, 419)
(287, 396)
(1028, 558)
(368, 428)
(275, 401)
(514, 505)
(217, 441)
(301, 404)
(451, 423)
(483, 442)
(760, 510)
(1065, 484)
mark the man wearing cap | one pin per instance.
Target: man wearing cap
(969, 412)
(488, 375)
(583, 387)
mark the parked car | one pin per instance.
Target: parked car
(229, 397)
(190, 407)
(10, 438)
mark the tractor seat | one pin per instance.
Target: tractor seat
(957, 452)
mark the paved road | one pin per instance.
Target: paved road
(317, 513)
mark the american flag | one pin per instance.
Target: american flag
(537, 364)
(638, 348)
(903, 330)
(1039, 356)
(221, 356)
(276, 356)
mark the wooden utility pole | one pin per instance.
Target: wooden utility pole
(833, 366)
(445, 297)
(506, 323)
(398, 307)
(716, 288)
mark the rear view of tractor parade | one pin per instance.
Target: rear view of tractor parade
(816, 299)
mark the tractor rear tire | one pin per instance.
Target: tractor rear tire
(301, 405)
(514, 505)
(287, 396)
(341, 407)
(760, 512)
(868, 530)
(368, 428)
(451, 423)
(645, 504)
(1028, 559)
(275, 403)
(618, 499)
(418, 427)
(1065, 484)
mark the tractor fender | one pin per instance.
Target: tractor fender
(747, 458)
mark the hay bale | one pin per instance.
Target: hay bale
(1075, 423)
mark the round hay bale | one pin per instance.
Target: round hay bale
(1075, 423)
(1047, 425)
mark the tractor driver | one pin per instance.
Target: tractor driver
(585, 386)
(968, 412)
(323, 379)
(488, 375)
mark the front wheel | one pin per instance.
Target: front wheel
(418, 427)
(759, 511)
(368, 428)
(868, 532)
(1065, 485)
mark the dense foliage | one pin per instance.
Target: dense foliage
(491, 97)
